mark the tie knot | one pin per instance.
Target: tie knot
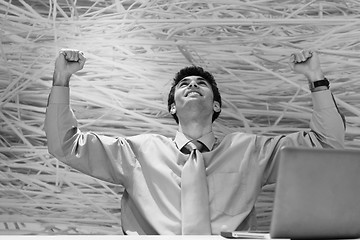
(192, 145)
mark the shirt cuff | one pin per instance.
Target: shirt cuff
(59, 95)
(322, 99)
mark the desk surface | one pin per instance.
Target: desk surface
(113, 237)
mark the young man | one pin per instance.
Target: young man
(192, 184)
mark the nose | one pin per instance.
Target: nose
(194, 84)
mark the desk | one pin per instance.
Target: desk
(113, 237)
(110, 237)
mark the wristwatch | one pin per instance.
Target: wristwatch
(319, 83)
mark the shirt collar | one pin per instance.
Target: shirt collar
(208, 140)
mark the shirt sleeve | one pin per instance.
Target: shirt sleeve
(327, 130)
(106, 158)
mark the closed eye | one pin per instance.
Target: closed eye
(202, 82)
(183, 83)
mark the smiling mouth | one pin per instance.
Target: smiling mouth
(191, 94)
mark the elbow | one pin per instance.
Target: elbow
(54, 148)
(55, 151)
(336, 143)
(57, 144)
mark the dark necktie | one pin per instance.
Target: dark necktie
(194, 193)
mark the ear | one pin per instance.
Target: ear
(173, 109)
(216, 106)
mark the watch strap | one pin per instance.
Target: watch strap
(324, 82)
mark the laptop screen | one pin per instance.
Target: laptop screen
(317, 194)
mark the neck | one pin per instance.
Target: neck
(195, 129)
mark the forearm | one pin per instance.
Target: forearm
(59, 120)
(326, 120)
(315, 75)
(61, 79)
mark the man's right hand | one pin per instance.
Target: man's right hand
(68, 62)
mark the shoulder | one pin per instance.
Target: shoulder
(243, 138)
(149, 144)
(237, 136)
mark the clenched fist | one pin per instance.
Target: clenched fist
(68, 62)
(307, 62)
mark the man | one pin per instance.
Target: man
(192, 184)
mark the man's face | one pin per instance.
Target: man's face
(194, 93)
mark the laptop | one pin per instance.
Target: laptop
(317, 194)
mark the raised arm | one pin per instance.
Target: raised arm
(102, 157)
(327, 122)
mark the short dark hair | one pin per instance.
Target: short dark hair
(194, 71)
